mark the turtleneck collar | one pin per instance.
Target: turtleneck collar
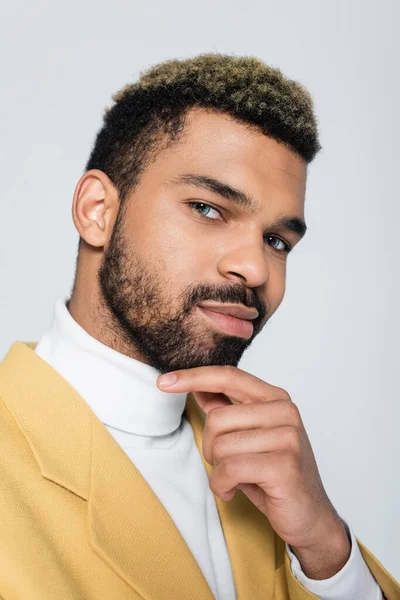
(122, 391)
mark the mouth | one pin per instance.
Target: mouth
(232, 325)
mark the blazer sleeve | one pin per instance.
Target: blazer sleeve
(389, 586)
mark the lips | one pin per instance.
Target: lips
(231, 325)
(234, 310)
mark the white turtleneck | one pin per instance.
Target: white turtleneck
(151, 428)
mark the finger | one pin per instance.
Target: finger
(257, 441)
(268, 470)
(245, 417)
(209, 400)
(226, 379)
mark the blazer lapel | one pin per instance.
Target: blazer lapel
(128, 525)
(249, 536)
(130, 528)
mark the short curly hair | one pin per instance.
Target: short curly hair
(149, 115)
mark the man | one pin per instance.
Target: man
(115, 487)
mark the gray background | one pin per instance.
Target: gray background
(333, 343)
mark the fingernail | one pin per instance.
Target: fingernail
(167, 380)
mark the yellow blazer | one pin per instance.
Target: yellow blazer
(79, 522)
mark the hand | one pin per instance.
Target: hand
(260, 446)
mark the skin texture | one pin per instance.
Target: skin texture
(164, 257)
(141, 274)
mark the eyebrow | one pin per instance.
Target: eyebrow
(291, 223)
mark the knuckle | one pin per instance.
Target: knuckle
(218, 449)
(227, 466)
(230, 371)
(294, 413)
(292, 438)
(212, 417)
(213, 486)
(282, 394)
(291, 462)
(285, 395)
(231, 375)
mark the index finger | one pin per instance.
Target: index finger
(236, 383)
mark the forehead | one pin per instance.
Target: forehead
(216, 145)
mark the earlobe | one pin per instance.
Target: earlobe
(94, 207)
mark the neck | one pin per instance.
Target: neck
(89, 310)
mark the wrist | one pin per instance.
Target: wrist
(326, 557)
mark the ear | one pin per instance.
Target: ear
(95, 207)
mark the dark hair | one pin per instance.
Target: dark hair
(149, 115)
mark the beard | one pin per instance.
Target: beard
(140, 315)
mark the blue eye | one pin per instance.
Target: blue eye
(204, 204)
(286, 247)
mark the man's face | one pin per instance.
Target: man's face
(166, 256)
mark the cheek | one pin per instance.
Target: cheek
(182, 253)
(179, 262)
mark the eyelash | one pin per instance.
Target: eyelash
(286, 250)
